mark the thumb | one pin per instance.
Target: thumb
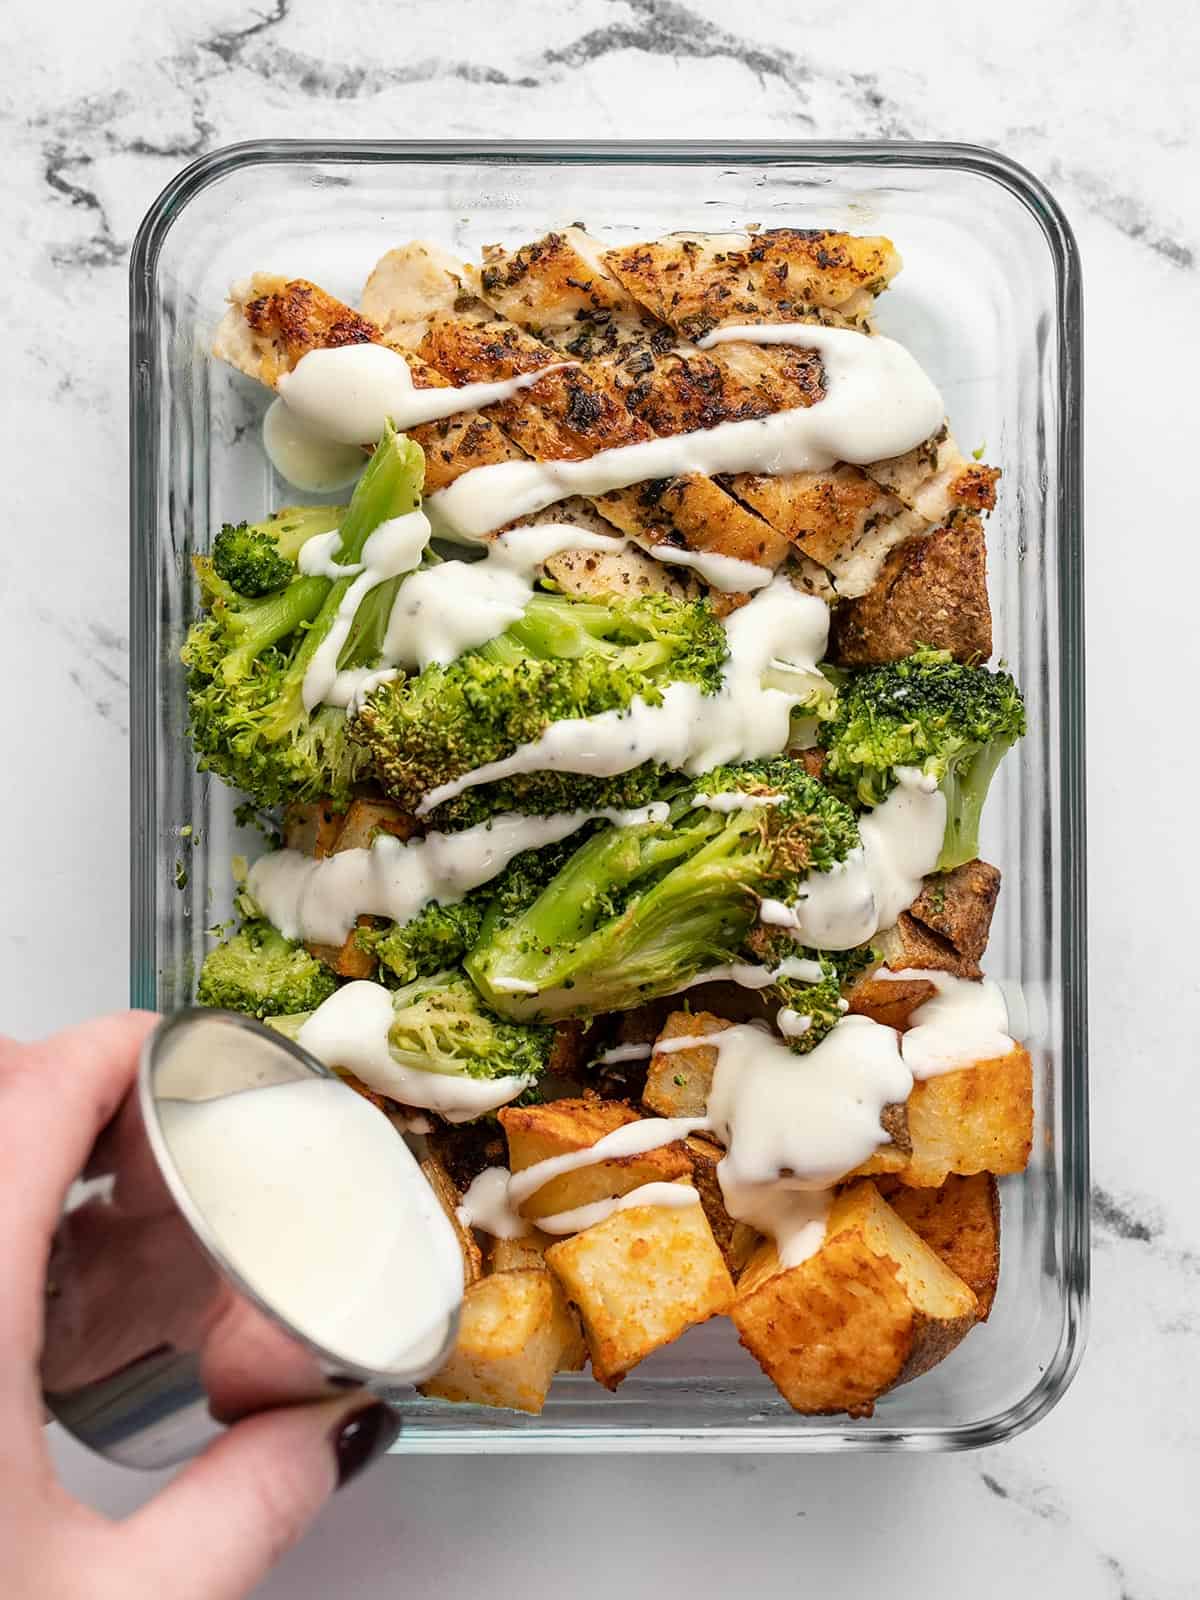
(249, 1497)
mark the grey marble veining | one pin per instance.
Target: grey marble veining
(99, 107)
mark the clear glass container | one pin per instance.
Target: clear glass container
(989, 300)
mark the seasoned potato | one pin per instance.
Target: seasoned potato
(440, 1181)
(513, 1255)
(516, 1331)
(929, 591)
(960, 1222)
(958, 906)
(888, 1001)
(536, 1133)
(874, 1307)
(678, 1081)
(911, 944)
(312, 829)
(979, 1119)
(366, 819)
(640, 1279)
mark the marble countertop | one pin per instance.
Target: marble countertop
(98, 109)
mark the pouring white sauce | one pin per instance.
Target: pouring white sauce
(878, 404)
(320, 900)
(347, 394)
(284, 1177)
(780, 630)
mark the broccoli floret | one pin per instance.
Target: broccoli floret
(262, 973)
(821, 1002)
(256, 558)
(248, 657)
(440, 1024)
(954, 723)
(563, 659)
(636, 912)
(436, 938)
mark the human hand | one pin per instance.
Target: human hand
(222, 1522)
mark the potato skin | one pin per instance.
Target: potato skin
(958, 906)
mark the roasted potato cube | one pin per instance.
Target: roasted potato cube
(639, 1280)
(889, 1001)
(513, 1255)
(678, 1081)
(536, 1133)
(367, 818)
(979, 1119)
(349, 959)
(312, 829)
(911, 944)
(958, 906)
(735, 1240)
(515, 1333)
(874, 1307)
(929, 591)
(440, 1181)
(960, 1222)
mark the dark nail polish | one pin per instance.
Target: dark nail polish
(340, 1382)
(361, 1437)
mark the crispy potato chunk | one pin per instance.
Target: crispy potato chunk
(366, 819)
(515, 1333)
(536, 1133)
(930, 591)
(312, 829)
(888, 1001)
(874, 1307)
(958, 906)
(960, 1222)
(678, 1081)
(911, 944)
(640, 1279)
(979, 1119)
(440, 1181)
(514, 1255)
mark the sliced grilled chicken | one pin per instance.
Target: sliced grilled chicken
(570, 415)
(696, 282)
(272, 322)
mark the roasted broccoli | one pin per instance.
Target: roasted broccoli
(952, 722)
(262, 973)
(563, 659)
(807, 1009)
(436, 938)
(248, 657)
(441, 1025)
(638, 911)
(256, 558)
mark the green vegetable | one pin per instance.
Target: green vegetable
(564, 659)
(952, 722)
(248, 657)
(436, 938)
(262, 973)
(636, 912)
(256, 558)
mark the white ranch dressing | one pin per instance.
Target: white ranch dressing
(792, 1024)
(752, 975)
(779, 630)
(624, 1052)
(323, 1210)
(394, 548)
(316, 557)
(794, 1218)
(304, 455)
(646, 1194)
(350, 1030)
(735, 800)
(725, 573)
(348, 394)
(633, 1139)
(878, 404)
(320, 900)
(964, 1023)
(853, 901)
(485, 1205)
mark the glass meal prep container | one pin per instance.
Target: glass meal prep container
(989, 302)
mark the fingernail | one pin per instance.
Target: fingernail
(361, 1437)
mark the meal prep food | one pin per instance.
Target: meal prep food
(624, 737)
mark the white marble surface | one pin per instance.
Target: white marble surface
(99, 106)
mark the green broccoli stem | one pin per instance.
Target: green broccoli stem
(264, 622)
(294, 526)
(557, 629)
(389, 487)
(966, 787)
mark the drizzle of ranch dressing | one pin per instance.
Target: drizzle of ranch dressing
(849, 904)
(285, 1177)
(485, 1205)
(964, 1023)
(646, 1194)
(624, 1052)
(780, 630)
(878, 404)
(320, 900)
(350, 1030)
(350, 393)
(304, 455)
